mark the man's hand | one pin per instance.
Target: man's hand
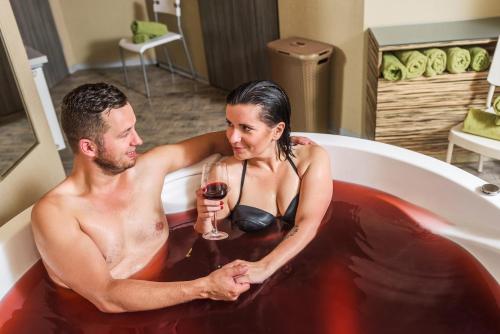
(299, 140)
(222, 283)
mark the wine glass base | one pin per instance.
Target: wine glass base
(219, 235)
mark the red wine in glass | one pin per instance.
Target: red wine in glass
(215, 187)
(215, 191)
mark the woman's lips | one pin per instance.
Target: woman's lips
(237, 149)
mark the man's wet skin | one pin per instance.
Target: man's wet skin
(126, 219)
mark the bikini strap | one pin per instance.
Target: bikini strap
(243, 172)
(293, 166)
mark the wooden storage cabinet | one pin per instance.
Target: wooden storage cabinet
(417, 114)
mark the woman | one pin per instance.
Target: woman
(269, 179)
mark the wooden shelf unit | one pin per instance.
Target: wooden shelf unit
(417, 114)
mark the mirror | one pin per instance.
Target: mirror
(17, 137)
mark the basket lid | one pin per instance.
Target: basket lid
(297, 46)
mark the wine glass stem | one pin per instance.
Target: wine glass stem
(214, 224)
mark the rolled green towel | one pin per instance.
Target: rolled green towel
(414, 61)
(482, 124)
(496, 105)
(148, 28)
(392, 69)
(496, 108)
(140, 38)
(479, 59)
(458, 60)
(436, 62)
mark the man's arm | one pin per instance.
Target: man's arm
(76, 261)
(189, 151)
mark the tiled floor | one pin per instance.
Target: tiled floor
(180, 108)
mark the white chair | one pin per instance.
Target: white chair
(172, 7)
(483, 146)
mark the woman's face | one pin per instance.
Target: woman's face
(248, 135)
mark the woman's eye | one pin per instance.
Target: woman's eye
(247, 129)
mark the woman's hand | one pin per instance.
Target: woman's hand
(257, 272)
(206, 210)
(300, 140)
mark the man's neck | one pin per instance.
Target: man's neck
(93, 179)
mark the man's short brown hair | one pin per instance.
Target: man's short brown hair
(82, 108)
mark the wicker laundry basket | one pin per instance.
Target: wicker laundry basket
(302, 68)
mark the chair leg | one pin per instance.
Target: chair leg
(480, 166)
(145, 76)
(168, 59)
(188, 56)
(124, 67)
(449, 153)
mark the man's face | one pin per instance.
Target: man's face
(116, 149)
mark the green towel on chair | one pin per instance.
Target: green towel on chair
(148, 28)
(140, 38)
(436, 62)
(458, 60)
(479, 59)
(392, 69)
(414, 61)
(482, 124)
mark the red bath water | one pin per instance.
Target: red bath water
(371, 269)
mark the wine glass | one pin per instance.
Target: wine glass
(215, 187)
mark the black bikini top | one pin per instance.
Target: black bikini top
(249, 218)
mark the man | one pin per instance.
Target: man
(105, 221)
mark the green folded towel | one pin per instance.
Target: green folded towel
(496, 105)
(140, 38)
(458, 60)
(148, 28)
(392, 69)
(436, 62)
(496, 108)
(414, 61)
(482, 124)
(480, 59)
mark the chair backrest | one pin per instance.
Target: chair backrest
(494, 75)
(172, 7)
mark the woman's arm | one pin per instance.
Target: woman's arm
(315, 197)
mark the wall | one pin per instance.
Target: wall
(425, 11)
(90, 30)
(41, 169)
(340, 23)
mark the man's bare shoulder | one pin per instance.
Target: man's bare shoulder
(56, 202)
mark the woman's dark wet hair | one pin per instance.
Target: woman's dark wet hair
(274, 104)
(82, 108)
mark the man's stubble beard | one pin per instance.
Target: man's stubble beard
(109, 166)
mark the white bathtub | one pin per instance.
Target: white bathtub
(441, 188)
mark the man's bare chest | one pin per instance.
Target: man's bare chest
(124, 225)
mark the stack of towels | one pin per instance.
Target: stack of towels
(411, 64)
(145, 30)
(482, 123)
